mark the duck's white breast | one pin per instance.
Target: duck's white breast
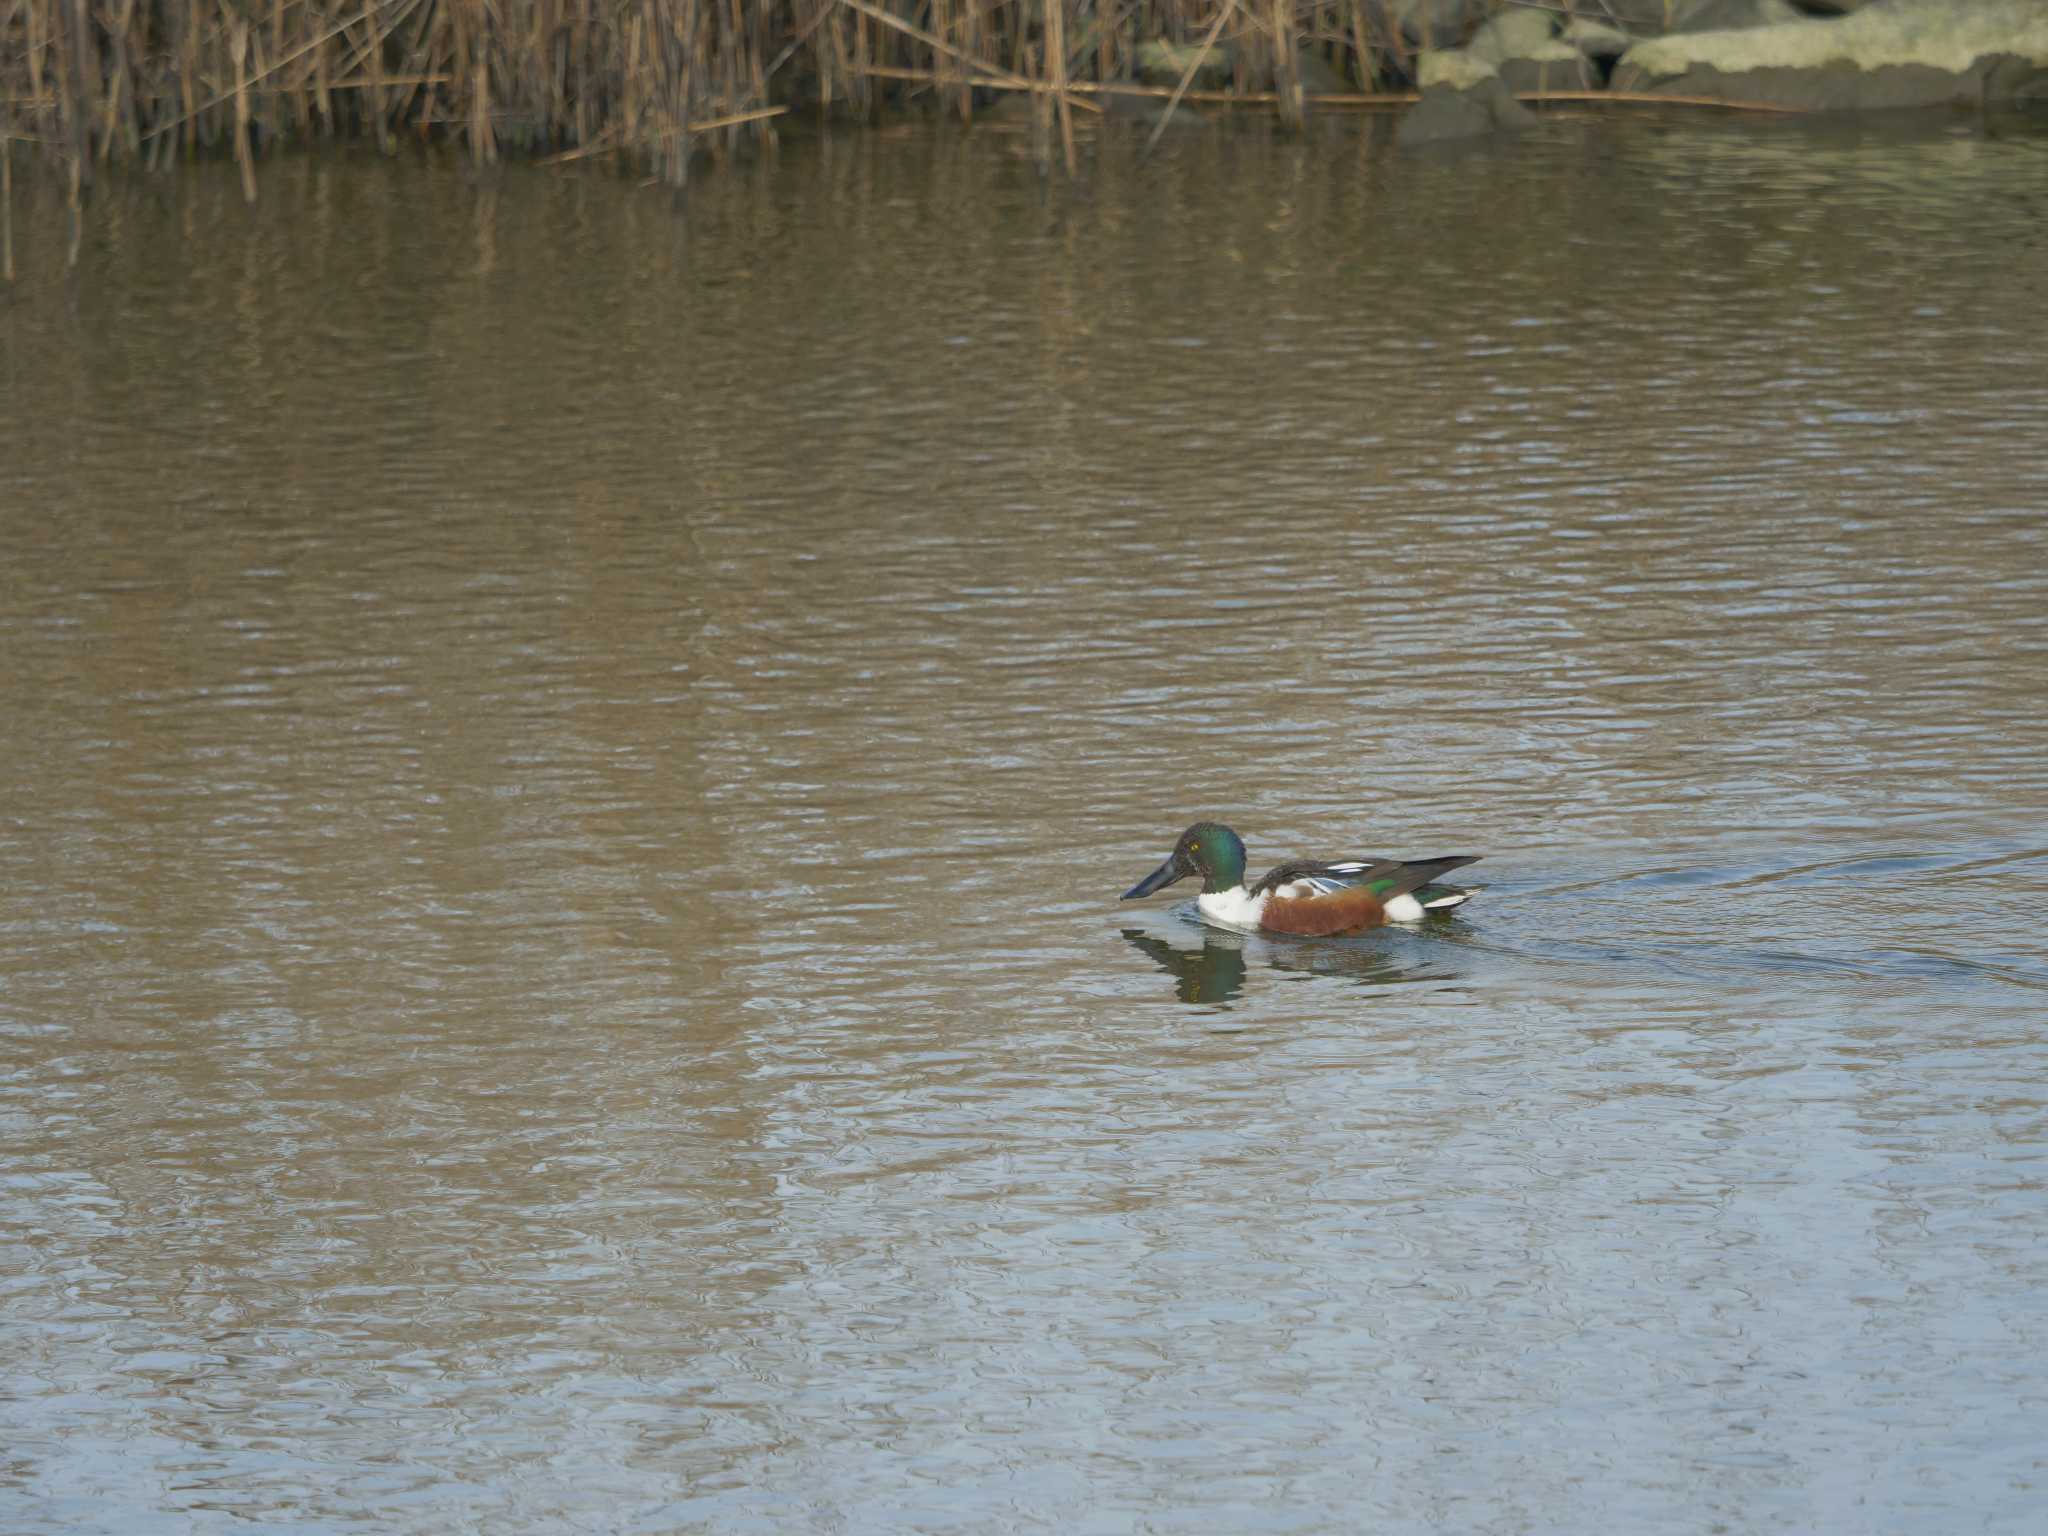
(1233, 908)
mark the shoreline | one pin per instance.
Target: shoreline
(666, 82)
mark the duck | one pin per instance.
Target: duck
(1304, 897)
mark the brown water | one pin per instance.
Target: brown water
(567, 774)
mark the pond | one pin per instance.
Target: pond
(570, 767)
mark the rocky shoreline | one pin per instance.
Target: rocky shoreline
(1886, 55)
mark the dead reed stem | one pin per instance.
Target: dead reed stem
(1041, 118)
(6, 201)
(825, 8)
(994, 72)
(734, 119)
(370, 54)
(81, 66)
(1286, 66)
(1056, 76)
(1188, 75)
(244, 155)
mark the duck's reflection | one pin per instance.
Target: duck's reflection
(1208, 965)
(1212, 974)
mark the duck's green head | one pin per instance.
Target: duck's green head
(1208, 849)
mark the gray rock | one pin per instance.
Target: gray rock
(1011, 107)
(1319, 77)
(1159, 62)
(1148, 110)
(1458, 68)
(1519, 32)
(1840, 86)
(1725, 15)
(1572, 71)
(1890, 55)
(1519, 47)
(1445, 114)
(1508, 114)
(2010, 80)
(1437, 23)
(1595, 39)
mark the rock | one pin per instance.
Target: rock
(1010, 107)
(1454, 67)
(1518, 47)
(1567, 69)
(1509, 114)
(1148, 110)
(1890, 54)
(1726, 15)
(1595, 39)
(1319, 77)
(1445, 114)
(1160, 62)
(1518, 33)
(2010, 80)
(1436, 23)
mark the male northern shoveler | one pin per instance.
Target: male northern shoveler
(1302, 897)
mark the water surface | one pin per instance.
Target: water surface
(568, 771)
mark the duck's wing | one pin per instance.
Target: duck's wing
(1324, 879)
(1384, 878)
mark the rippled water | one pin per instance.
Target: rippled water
(568, 772)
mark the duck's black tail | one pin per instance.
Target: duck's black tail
(1417, 878)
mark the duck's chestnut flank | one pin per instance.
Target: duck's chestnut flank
(1346, 911)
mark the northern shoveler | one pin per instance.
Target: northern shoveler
(1345, 897)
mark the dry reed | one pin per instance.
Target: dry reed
(6, 204)
(140, 80)
(656, 81)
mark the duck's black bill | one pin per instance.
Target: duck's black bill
(1165, 874)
